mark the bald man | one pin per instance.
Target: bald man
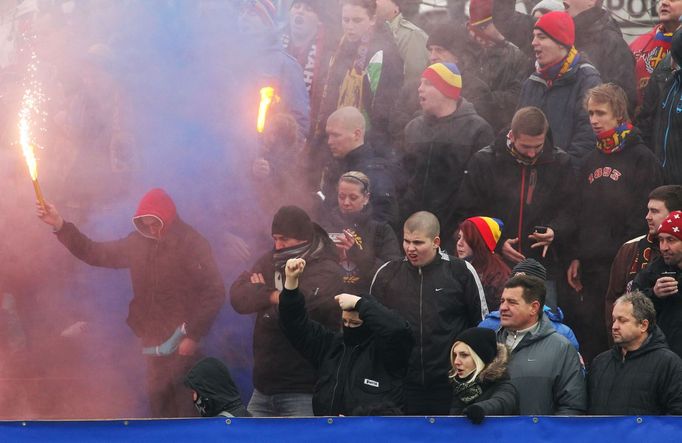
(440, 296)
(346, 138)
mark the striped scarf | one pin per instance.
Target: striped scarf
(613, 140)
(552, 73)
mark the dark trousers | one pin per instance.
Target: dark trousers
(168, 396)
(584, 311)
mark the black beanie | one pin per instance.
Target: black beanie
(452, 37)
(482, 341)
(292, 222)
(531, 267)
(676, 47)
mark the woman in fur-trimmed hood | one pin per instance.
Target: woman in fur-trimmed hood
(479, 376)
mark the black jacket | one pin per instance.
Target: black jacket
(439, 300)
(378, 170)
(277, 367)
(647, 381)
(437, 152)
(614, 190)
(213, 383)
(375, 244)
(597, 35)
(175, 280)
(368, 373)
(661, 119)
(668, 309)
(496, 185)
(499, 396)
(563, 106)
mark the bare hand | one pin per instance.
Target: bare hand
(187, 347)
(510, 253)
(50, 215)
(347, 302)
(665, 287)
(257, 278)
(261, 168)
(292, 271)
(294, 267)
(542, 240)
(573, 275)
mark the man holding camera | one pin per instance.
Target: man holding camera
(659, 280)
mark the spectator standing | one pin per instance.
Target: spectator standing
(282, 379)
(439, 144)
(559, 85)
(440, 297)
(613, 185)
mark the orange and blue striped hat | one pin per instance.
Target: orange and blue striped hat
(446, 78)
(489, 228)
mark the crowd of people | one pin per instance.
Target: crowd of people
(481, 217)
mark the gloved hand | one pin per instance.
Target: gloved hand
(474, 413)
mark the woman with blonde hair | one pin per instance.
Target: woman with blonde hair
(481, 385)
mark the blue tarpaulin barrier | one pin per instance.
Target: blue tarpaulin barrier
(352, 429)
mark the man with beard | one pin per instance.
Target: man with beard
(659, 280)
(363, 365)
(282, 379)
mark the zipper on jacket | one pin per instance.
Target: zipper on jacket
(667, 128)
(532, 181)
(421, 324)
(521, 204)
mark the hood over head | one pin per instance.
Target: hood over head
(158, 204)
(215, 387)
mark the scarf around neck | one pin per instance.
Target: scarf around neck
(350, 92)
(466, 390)
(552, 73)
(613, 140)
(522, 159)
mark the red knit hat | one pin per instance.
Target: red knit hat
(480, 11)
(558, 26)
(672, 225)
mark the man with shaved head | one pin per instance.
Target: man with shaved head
(346, 138)
(440, 296)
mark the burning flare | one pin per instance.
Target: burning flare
(267, 97)
(30, 107)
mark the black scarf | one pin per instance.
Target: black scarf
(466, 390)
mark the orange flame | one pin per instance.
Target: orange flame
(267, 96)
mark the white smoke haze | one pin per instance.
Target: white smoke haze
(140, 94)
